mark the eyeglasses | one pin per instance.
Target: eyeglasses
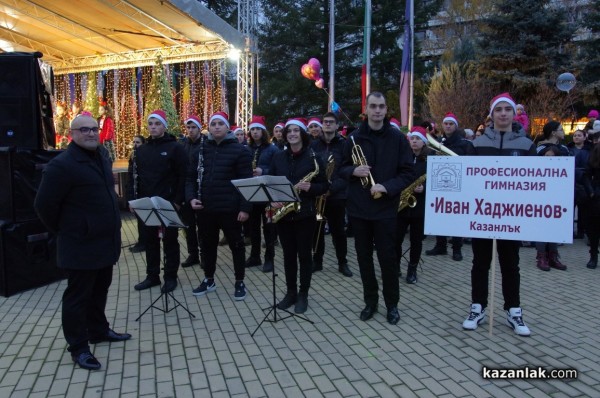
(87, 130)
(329, 121)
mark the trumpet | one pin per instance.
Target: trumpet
(359, 159)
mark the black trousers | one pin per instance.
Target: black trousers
(417, 228)
(441, 241)
(508, 258)
(296, 244)
(209, 235)
(84, 301)
(192, 232)
(258, 217)
(170, 247)
(335, 214)
(383, 234)
(141, 232)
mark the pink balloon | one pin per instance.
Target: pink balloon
(320, 83)
(307, 71)
(316, 65)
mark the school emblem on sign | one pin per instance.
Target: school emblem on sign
(446, 177)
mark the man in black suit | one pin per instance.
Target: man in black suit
(77, 201)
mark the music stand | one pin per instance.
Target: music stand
(265, 189)
(158, 212)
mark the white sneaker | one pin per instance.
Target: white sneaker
(476, 316)
(515, 321)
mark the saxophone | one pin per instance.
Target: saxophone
(295, 206)
(406, 197)
(135, 173)
(255, 158)
(200, 168)
(321, 200)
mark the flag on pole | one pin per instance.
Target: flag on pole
(405, 70)
(365, 61)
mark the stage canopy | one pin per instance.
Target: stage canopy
(90, 35)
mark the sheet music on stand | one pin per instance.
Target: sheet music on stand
(266, 189)
(156, 212)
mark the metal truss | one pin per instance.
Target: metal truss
(131, 59)
(247, 25)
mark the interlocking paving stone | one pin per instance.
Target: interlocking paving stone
(426, 354)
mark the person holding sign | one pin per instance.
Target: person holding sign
(504, 138)
(373, 209)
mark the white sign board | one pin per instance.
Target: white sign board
(527, 198)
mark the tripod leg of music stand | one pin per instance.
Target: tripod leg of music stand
(150, 306)
(178, 304)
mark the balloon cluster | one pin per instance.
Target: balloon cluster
(312, 71)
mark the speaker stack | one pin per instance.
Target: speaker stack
(27, 248)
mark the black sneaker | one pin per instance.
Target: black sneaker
(317, 265)
(288, 300)
(207, 285)
(137, 248)
(147, 283)
(345, 270)
(457, 255)
(240, 291)
(253, 262)
(268, 266)
(301, 303)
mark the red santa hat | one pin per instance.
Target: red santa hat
(160, 115)
(281, 125)
(297, 121)
(257, 121)
(194, 119)
(395, 123)
(222, 116)
(418, 131)
(315, 120)
(504, 97)
(450, 117)
(235, 128)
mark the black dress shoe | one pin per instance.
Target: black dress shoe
(457, 255)
(86, 360)
(137, 248)
(147, 283)
(169, 285)
(368, 312)
(437, 250)
(301, 303)
(288, 300)
(317, 265)
(268, 266)
(191, 260)
(111, 336)
(253, 262)
(345, 270)
(393, 316)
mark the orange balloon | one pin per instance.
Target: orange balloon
(307, 71)
(320, 83)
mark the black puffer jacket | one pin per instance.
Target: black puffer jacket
(389, 154)
(338, 187)
(161, 165)
(223, 162)
(459, 145)
(296, 166)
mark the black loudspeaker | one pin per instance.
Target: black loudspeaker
(27, 257)
(25, 110)
(20, 177)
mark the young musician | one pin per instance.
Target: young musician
(218, 204)
(306, 171)
(262, 153)
(387, 156)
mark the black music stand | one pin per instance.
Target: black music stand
(266, 189)
(158, 212)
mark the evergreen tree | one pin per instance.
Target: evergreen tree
(225, 9)
(160, 96)
(589, 60)
(91, 95)
(293, 32)
(524, 44)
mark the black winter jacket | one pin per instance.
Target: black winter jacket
(295, 167)
(389, 155)
(459, 145)
(338, 187)
(161, 165)
(420, 168)
(223, 162)
(77, 201)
